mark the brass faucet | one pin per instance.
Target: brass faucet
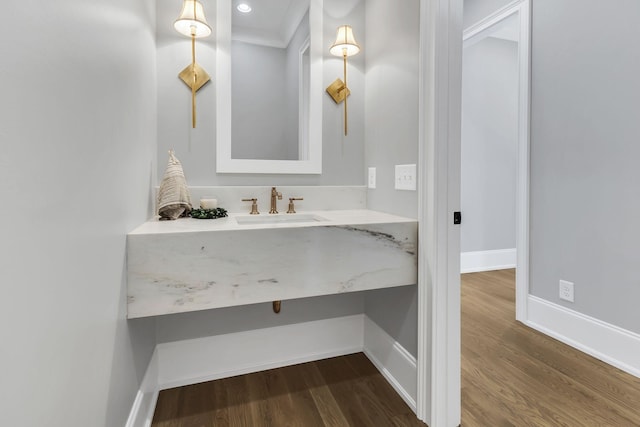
(292, 208)
(254, 206)
(274, 194)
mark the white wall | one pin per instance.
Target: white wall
(77, 125)
(391, 117)
(584, 150)
(343, 157)
(476, 10)
(392, 100)
(489, 145)
(228, 320)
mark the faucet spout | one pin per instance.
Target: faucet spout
(275, 195)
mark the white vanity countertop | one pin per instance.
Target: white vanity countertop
(196, 264)
(332, 217)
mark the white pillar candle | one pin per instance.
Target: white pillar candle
(208, 203)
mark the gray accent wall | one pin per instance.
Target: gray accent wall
(585, 201)
(489, 145)
(391, 118)
(78, 131)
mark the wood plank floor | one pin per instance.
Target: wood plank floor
(515, 376)
(337, 392)
(511, 376)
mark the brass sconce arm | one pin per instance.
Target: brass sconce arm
(192, 23)
(344, 46)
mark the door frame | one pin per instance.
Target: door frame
(438, 393)
(438, 363)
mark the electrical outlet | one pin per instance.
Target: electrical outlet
(566, 290)
(406, 177)
(372, 178)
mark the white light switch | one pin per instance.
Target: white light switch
(406, 177)
(372, 178)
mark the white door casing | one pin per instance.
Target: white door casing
(438, 391)
(439, 196)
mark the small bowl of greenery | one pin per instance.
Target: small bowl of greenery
(208, 213)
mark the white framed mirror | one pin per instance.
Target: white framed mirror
(269, 113)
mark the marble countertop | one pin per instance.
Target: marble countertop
(192, 264)
(331, 218)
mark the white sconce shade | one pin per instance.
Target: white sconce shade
(191, 17)
(345, 42)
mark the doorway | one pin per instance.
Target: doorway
(439, 199)
(489, 148)
(495, 146)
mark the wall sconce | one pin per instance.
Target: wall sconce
(192, 23)
(344, 46)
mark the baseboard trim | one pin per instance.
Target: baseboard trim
(135, 412)
(144, 405)
(500, 259)
(186, 362)
(393, 361)
(143, 408)
(609, 343)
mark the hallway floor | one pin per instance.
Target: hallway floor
(515, 376)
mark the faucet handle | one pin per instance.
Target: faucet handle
(254, 205)
(276, 193)
(292, 209)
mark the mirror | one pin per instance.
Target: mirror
(269, 87)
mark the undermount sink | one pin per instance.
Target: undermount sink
(279, 219)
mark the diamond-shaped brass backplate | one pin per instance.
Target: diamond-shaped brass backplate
(337, 91)
(202, 77)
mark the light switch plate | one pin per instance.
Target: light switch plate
(406, 177)
(371, 182)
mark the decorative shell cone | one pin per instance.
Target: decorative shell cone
(174, 200)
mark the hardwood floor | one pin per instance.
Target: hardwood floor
(337, 392)
(515, 376)
(511, 376)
